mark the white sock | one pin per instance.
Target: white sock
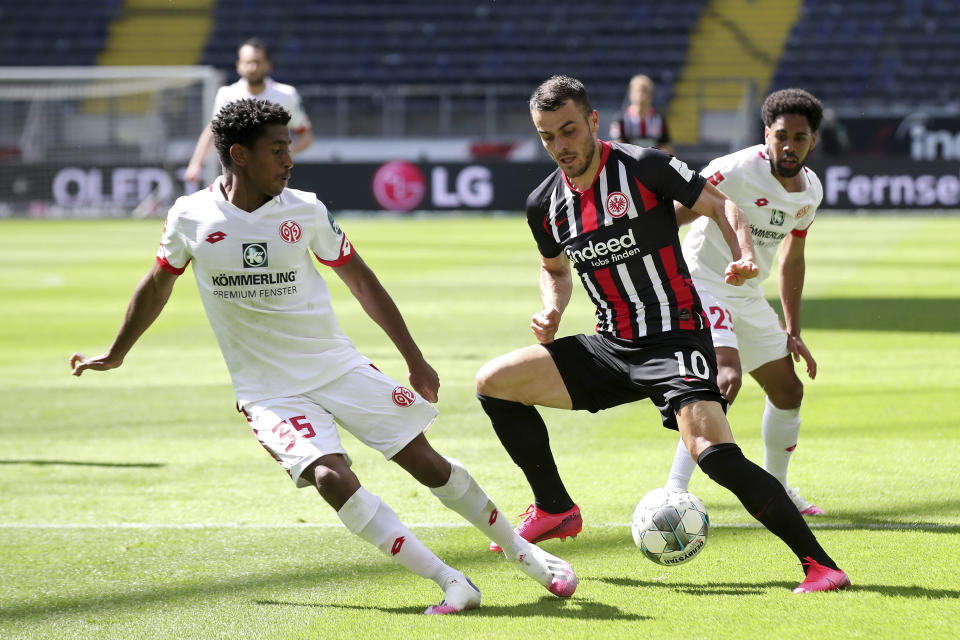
(462, 494)
(367, 516)
(780, 428)
(682, 469)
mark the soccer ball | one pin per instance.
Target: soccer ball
(670, 527)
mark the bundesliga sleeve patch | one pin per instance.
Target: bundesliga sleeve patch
(716, 178)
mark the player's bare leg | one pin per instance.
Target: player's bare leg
(780, 426)
(508, 386)
(706, 432)
(453, 485)
(368, 517)
(729, 379)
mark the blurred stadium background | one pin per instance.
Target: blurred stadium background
(421, 105)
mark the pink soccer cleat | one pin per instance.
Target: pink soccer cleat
(804, 507)
(821, 578)
(538, 525)
(459, 594)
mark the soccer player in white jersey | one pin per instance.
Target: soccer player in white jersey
(253, 67)
(779, 196)
(251, 241)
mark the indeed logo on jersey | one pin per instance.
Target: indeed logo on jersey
(600, 253)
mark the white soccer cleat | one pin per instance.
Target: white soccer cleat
(555, 574)
(459, 594)
(804, 507)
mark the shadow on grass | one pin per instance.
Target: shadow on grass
(546, 606)
(880, 314)
(756, 588)
(81, 463)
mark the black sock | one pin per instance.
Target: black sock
(524, 435)
(764, 497)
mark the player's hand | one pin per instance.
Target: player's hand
(545, 325)
(425, 380)
(740, 271)
(80, 363)
(798, 350)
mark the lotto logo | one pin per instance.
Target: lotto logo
(290, 231)
(493, 517)
(397, 545)
(617, 204)
(403, 397)
(213, 238)
(761, 202)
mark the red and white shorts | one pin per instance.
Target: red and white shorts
(745, 322)
(374, 408)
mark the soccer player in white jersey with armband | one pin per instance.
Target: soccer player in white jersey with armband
(779, 196)
(253, 67)
(252, 242)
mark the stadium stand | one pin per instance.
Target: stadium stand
(54, 32)
(867, 53)
(411, 42)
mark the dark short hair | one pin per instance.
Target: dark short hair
(556, 90)
(794, 101)
(242, 122)
(256, 43)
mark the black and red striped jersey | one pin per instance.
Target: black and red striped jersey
(621, 236)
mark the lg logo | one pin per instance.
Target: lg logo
(402, 186)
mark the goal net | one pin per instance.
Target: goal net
(98, 141)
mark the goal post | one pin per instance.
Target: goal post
(98, 141)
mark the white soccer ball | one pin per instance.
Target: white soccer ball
(670, 527)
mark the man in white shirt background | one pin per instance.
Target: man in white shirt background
(253, 67)
(780, 197)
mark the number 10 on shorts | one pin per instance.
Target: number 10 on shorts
(697, 365)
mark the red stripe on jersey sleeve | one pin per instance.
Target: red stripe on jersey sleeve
(649, 200)
(681, 288)
(346, 253)
(169, 268)
(621, 310)
(588, 211)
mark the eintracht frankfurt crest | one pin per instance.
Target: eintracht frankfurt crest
(617, 204)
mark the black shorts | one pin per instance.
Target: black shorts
(673, 369)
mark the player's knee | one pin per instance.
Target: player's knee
(422, 461)
(787, 395)
(488, 379)
(333, 479)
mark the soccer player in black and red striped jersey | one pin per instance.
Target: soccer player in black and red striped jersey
(608, 209)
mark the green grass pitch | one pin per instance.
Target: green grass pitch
(136, 503)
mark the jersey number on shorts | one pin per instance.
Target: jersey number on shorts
(698, 364)
(300, 424)
(716, 318)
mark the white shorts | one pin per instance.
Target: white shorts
(745, 322)
(377, 410)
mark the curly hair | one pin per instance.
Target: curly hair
(242, 122)
(554, 91)
(794, 101)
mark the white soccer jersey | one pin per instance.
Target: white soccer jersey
(267, 304)
(772, 211)
(283, 94)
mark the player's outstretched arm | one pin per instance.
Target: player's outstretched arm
(792, 273)
(556, 286)
(735, 228)
(146, 303)
(378, 304)
(194, 171)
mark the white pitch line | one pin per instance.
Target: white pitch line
(880, 526)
